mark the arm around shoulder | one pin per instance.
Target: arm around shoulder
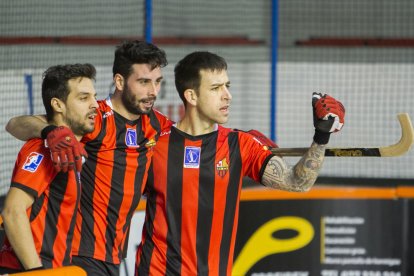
(26, 127)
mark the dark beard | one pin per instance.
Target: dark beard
(77, 128)
(129, 103)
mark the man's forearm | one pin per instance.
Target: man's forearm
(298, 178)
(26, 127)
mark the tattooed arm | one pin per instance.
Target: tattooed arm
(299, 178)
(328, 117)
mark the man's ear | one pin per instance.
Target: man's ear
(191, 96)
(57, 105)
(119, 82)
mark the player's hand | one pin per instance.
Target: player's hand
(66, 150)
(328, 116)
(262, 138)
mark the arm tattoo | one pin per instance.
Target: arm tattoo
(298, 178)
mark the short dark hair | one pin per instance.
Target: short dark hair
(55, 82)
(187, 70)
(137, 52)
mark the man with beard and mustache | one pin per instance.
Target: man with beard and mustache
(40, 208)
(119, 154)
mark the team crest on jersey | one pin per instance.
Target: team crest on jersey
(32, 162)
(192, 157)
(131, 138)
(222, 167)
(151, 143)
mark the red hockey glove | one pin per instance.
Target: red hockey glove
(262, 138)
(66, 150)
(328, 117)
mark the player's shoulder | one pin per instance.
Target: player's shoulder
(235, 131)
(161, 116)
(34, 149)
(226, 131)
(246, 136)
(103, 104)
(165, 132)
(104, 107)
(35, 144)
(156, 117)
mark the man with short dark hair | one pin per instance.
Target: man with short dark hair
(119, 155)
(40, 208)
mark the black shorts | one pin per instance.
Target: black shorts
(95, 267)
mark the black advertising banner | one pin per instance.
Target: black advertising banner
(409, 233)
(344, 237)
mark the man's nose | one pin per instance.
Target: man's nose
(154, 89)
(227, 95)
(94, 103)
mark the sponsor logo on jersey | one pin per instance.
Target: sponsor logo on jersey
(108, 113)
(222, 167)
(258, 141)
(32, 162)
(131, 138)
(165, 133)
(192, 157)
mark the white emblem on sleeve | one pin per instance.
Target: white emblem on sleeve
(32, 162)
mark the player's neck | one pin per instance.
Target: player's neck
(194, 126)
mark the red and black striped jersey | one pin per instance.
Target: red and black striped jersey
(53, 213)
(119, 155)
(193, 194)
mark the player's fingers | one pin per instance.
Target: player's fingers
(71, 161)
(55, 160)
(329, 102)
(336, 109)
(83, 151)
(320, 111)
(63, 161)
(323, 109)
(79, 151)
(78, 164)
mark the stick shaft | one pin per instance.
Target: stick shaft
(400, 148)
(331, 152)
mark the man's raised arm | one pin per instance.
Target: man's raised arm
(328, 117)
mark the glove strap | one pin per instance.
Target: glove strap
(46, 131)
(321, 138)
